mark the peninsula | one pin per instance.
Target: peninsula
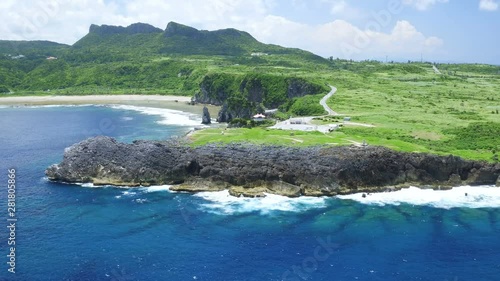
(252, 171)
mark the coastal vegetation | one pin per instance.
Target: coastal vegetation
(411, 106)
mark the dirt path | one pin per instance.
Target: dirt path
(436, 70)
(325, 98)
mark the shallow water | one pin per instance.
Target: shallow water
(70, 232)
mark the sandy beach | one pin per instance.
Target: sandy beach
(88, 99)
(158, 101)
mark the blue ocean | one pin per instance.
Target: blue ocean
(72, 232)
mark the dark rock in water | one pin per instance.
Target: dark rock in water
(205, 119)
(249, 170)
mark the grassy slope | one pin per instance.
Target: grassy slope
(119, 60)
(413, 109)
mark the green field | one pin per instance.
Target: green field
(411, 107)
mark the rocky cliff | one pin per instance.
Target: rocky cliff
(136, 28)
(244, 96)
(254, 170)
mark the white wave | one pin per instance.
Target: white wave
(91, 185)
(53, 105)
(129, 193)
(169, 116)
(464, 196)
(222, 202)
(157, 188)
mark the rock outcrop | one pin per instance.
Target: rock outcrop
(136, 28)
(250, 170)
(242, 97)
(205, 117)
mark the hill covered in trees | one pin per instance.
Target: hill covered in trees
(180, 60)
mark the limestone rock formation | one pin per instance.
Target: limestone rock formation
(250, 170)
(205, 118)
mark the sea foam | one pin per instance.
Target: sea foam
(156, 188)
(53, 105)
(168, 116)
(221, 202)
(464, 196)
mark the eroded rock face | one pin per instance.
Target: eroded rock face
(205, 118)
(251, 93)
(247, 170)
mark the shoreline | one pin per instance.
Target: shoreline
(45, 100)
(253, 171)
(154, 101)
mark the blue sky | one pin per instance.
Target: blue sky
(438, 30)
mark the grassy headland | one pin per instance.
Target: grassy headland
(412, 108)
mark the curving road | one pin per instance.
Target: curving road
(304, 123)
(325, 98)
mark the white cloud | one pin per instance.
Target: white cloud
(341, 9)
(68, 21)
(340, 38)
(423, 5)
(55, 20)
(488, 5)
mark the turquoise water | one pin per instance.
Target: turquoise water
(70, 232)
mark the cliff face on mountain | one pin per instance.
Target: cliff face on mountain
(136, 28)
(254, 170)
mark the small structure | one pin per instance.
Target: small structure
(347, 119)
(332, 127)
(296, 121)
(259, 117)
(51, 58)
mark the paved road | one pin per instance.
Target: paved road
(304, 123)
(325, 98)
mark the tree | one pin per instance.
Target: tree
(4, 90)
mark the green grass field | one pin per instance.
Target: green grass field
(412, 108)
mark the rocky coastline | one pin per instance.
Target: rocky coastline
(252, 171)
